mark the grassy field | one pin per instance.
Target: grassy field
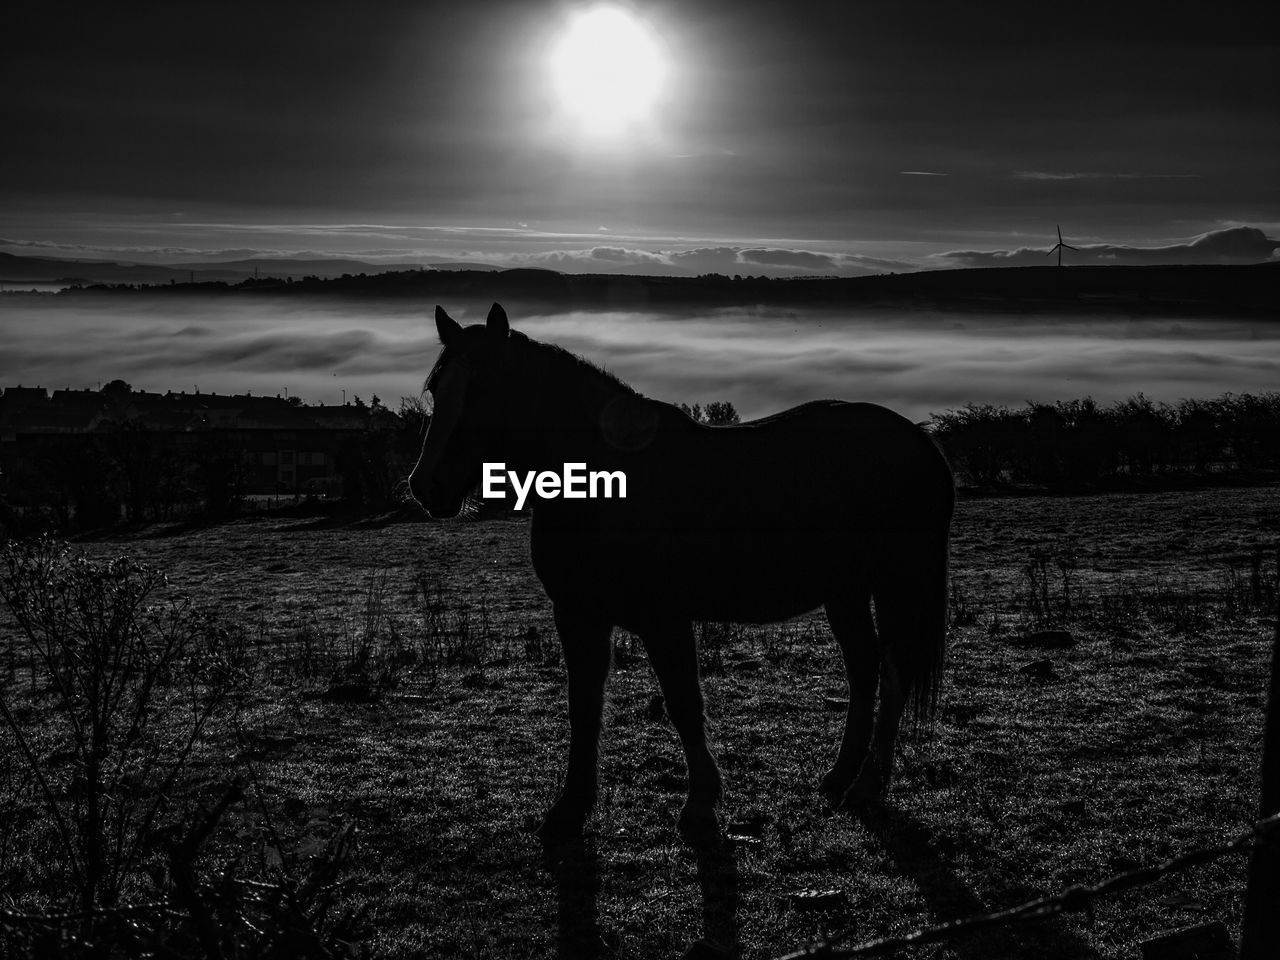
(1136, 738)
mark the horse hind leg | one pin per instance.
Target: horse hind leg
(674, 657)
(855, 632)
(585, 642)
(910, 590)
(877, 766)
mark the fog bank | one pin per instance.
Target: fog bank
(761, 360)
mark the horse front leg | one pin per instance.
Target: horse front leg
(585, 642)
(674, 657)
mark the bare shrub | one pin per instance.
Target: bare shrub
(119, 691)
(714, 639)
(201, 914)
(453, 631)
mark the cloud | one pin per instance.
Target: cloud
(622, 255)
(546, 250)
(802, 259)
(1044, 175)
(1231, 245)
(770, 260)
(845, 264)
(239, 240)
(716, 152)
(707, 259)
(780, 261)
(153, 254)
(921, 173)
(727, 260)
(601, 258)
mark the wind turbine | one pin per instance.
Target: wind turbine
(1059, 246)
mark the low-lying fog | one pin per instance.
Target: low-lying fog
(761, 360)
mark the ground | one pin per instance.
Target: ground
(1136, 738)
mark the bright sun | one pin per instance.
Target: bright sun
(608, 69)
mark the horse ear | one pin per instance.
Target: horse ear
(446, 326)
(497, 322)
(629, 423)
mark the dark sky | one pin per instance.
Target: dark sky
(788, 137)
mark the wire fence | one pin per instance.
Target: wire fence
(1073, 899)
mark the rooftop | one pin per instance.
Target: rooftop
(35, 410)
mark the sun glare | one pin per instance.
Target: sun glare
(608, 68)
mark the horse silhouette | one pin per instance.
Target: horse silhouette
(829, 504)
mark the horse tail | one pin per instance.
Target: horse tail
(909, 588)
(926, 654)
(921, 659)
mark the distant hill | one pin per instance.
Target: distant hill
(1196, 290)
(281, 267)
(85, 270)
(464, 265)
(88, 271)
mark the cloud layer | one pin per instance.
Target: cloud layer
(762, 360)
(1231, 245)
(726, 259)
(504, 248)
(391, 246)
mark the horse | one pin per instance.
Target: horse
(834, 504)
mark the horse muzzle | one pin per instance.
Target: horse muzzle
(442, 507)
(440, 504)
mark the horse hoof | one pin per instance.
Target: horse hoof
(561, 825)
(866, 790)
(833, 788)
(698, 827)
(857, 800)
(553, 831)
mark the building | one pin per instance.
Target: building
(280, 447)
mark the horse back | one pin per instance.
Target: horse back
(751, 522)
(855, 465)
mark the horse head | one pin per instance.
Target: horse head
(466, 387)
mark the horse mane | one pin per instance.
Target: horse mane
(433, 372)
(557, 356)
(550, 353)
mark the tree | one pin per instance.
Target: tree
(717, 413)
(218, 471)
(982, 439)
(416, 414)
(721, 413)
(117, 387)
